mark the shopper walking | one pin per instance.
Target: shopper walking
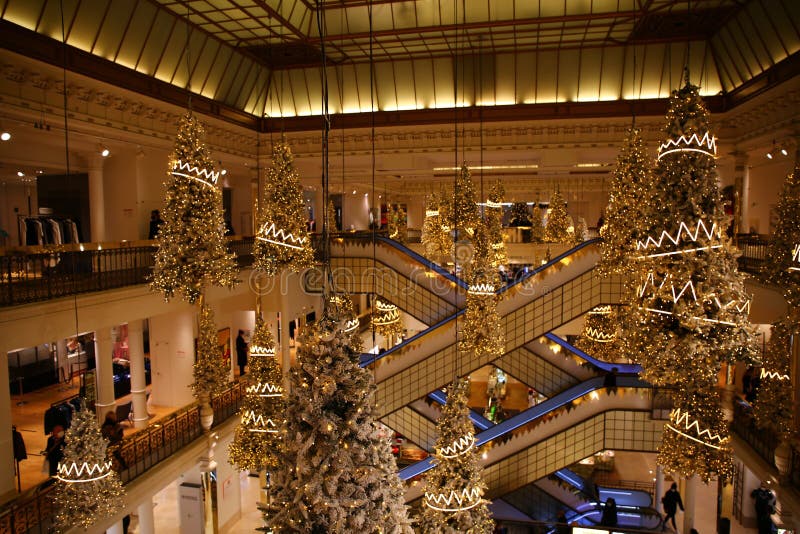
(671, 501)
(241, 352)
(765, 507)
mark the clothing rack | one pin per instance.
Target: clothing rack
(47, 230)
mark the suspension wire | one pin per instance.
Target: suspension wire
(633, 77)
(326, 126)
(375, 223)
(188, 63)
(457, 170)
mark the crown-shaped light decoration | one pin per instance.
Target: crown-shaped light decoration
(773, 375)
(270, 233)
(265, 389)
(385, 314)
(455, 501)
(483, 289)
(350, 325)
(259, 351)
(72, 473)
(187, 170)
(598, 336)
(707, 144)
(605, 309)
(796, 258)
(431, 213)
(258, 423)
(685, 234)
(462, 445)
(682, 423)
(495, 205)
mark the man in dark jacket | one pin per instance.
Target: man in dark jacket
(671, 501)
(241, 352)
(765, 507)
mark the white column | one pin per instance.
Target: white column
(7, 483)
(689, 498)
(138, 382)
(116, 528)
(97, 205)
(145, 513)
(741, 177)
(316, 204)
(172, 358)
(104, 373)
(659, 489)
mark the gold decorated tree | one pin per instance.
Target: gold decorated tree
(192, 251)
(773, 405)
(387, 321)
(599, 335)
(282, 239)
(210, 370)
(398, 226)
(696, 440)
(87, 489)
(483, 335)
(557, 228)
(330, 215)
(335, 471)
(435, 229)
(464, 209)
(343, 305)
(257, 437)
(454, 487)
(783, 267)
(537, 224)
(627, 206)
(494, 224)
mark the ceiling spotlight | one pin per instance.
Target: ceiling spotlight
(769, 155)
(20, 174)
(104, 151)
(5, 136)
(223, 172)
(784, 152)
(354, 191)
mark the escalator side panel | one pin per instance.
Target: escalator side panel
(535, 372)
(414, 426)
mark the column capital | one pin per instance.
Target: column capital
(96, 161)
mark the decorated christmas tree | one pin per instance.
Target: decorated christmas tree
(494, 225)
(436, 239)
(257, 437)
(696, 440)
(783, 267)
(192, 251)
(464, 213)
(599, 336)
(773, 405)
(398, 228)
(336, 472)
(581, 231)
(342, 304)
(387, 321)
(692, 312)
(331, 218)
(627, 208)
(537, 224)
(483, 334)
(454, 488)
(557, 228)
(282, 239)
(211, 371)
(87, 490)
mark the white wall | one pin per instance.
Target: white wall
(172, 358)
(766, 183)
(13, 201)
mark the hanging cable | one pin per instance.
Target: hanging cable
(374, 223)
(326, 126)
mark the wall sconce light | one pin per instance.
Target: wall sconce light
(104, 151)
(777, 149)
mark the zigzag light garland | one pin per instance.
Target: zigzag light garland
(265, 390)
(481, 289)
(72, 473)
(271, 234)
(599, 336)
(454, 501)
(795, 257)
(258, 423)
(684, 233)
(351, 324)
(600, 310)
(387, 313)
(431, 213)
(495, 205)
(678, 417)
(677, 294)
(259, 351)
(459, 447)
(773, 375)
(705, 145)
(187, 170)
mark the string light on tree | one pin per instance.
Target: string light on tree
(210, 369)
(464, 215)
(783, 267)
(454, 487)
(192, 251)
(772, 407)
(494, 224)
(87, 490)
(556, 229)
(599, 336)
(435, 238)
(386, 320)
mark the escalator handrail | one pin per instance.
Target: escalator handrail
(368, 359)
(523, 418)
(622, 368)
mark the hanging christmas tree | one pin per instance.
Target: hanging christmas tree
(192, 251)
(581, 231)
(692, 311)
(628, 206)
(336, 472)
(282, 239)
(398, 228)
(557, 228)
(257, 437)
(331, 218)
(436, 239)
(783, 267)
(343, 307)
(696, 440)
(387, 321)
(494, 225)
(87, 490)
(483, 334)
(599, 335)
(773, 405)
(537, 224)
(454, 487)
(464, 212)
(211, 371)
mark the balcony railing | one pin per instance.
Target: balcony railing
(754, 252)
(33, 512)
